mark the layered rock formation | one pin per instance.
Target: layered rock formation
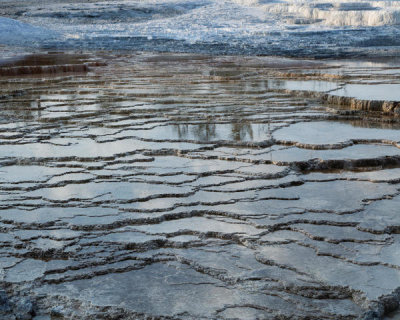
(188, 187)
(50, 63)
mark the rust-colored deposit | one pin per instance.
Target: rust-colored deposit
(50, 63)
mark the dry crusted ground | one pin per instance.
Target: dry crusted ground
(192, 187)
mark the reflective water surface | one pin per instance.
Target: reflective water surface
(189, 187)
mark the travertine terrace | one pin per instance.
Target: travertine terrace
(189, 187)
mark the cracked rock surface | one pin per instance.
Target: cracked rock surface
(192, 187)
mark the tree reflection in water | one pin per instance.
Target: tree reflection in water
(181, 130)
(202, 131)
(238, 131)
(205, 131)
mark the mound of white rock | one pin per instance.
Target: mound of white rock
(14, 32)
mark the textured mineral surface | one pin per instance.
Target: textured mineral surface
(193, 187)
